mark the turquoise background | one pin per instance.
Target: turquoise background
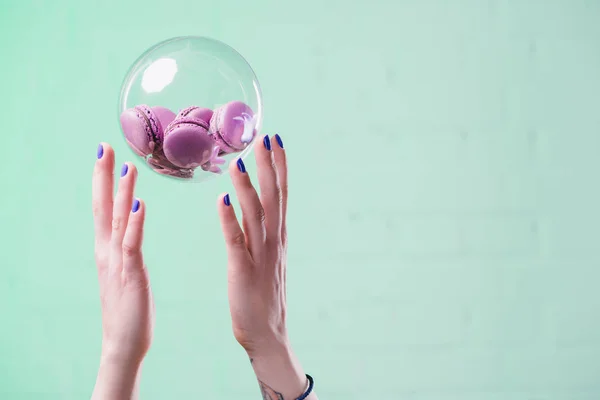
(444, 240)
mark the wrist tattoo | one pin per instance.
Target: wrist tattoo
(268, 393)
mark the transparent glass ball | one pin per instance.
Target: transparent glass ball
(188, 106)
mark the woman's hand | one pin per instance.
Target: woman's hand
(257, 271)
(126, 299)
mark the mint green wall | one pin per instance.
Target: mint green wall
(445, 197)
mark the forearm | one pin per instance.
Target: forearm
(280, 375)
(117, 381)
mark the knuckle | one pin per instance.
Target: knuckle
(237, 240)
(284, 238)
(100, 257)
(284, 190)
(130, 250)
(117, 223)
(260, 214)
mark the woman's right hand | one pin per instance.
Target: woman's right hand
(257, 271)
(125, 295)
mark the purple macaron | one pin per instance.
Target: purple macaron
(161, 165)
(233, 126)
(143, 127)
(187, 143)
(205, 114)
(164, 115)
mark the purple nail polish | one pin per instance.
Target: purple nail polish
(124, 170)
(227, 200)
(136, 205)
(241, 166)
(100, 151)
(267, 143)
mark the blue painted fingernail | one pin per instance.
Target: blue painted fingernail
(100, 151)
(279, 141)
(136, 205)
(267, 143)
(241, 166)
(226, 200)
(124, 170)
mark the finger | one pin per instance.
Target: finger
(132, 241)
(270, 193)
(253, 214)
(235, 240)
(122, 207)
(102, 192)
(280, 159)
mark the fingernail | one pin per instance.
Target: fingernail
(136, 205)
(267, 143)
(124, 170)
(241, 166)
(279, 141)
(100, 151)
(226, 200)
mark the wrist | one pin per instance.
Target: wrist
(117, 362)
(117, 379)
(116, 356)
(277, 368)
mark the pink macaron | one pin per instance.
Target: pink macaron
(164, 115)
(143, 127)
(160, 164)
(205, 114)
(187, 143)
(233, 126)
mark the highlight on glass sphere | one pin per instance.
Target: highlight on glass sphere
(188, 106)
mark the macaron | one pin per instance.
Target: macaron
(233, 126)
(187, 143)
(143, 127)
(164, 115)
(205, 114)
(161, 165)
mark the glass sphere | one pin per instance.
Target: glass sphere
(188, 106)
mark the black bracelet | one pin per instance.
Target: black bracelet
(311, 383)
